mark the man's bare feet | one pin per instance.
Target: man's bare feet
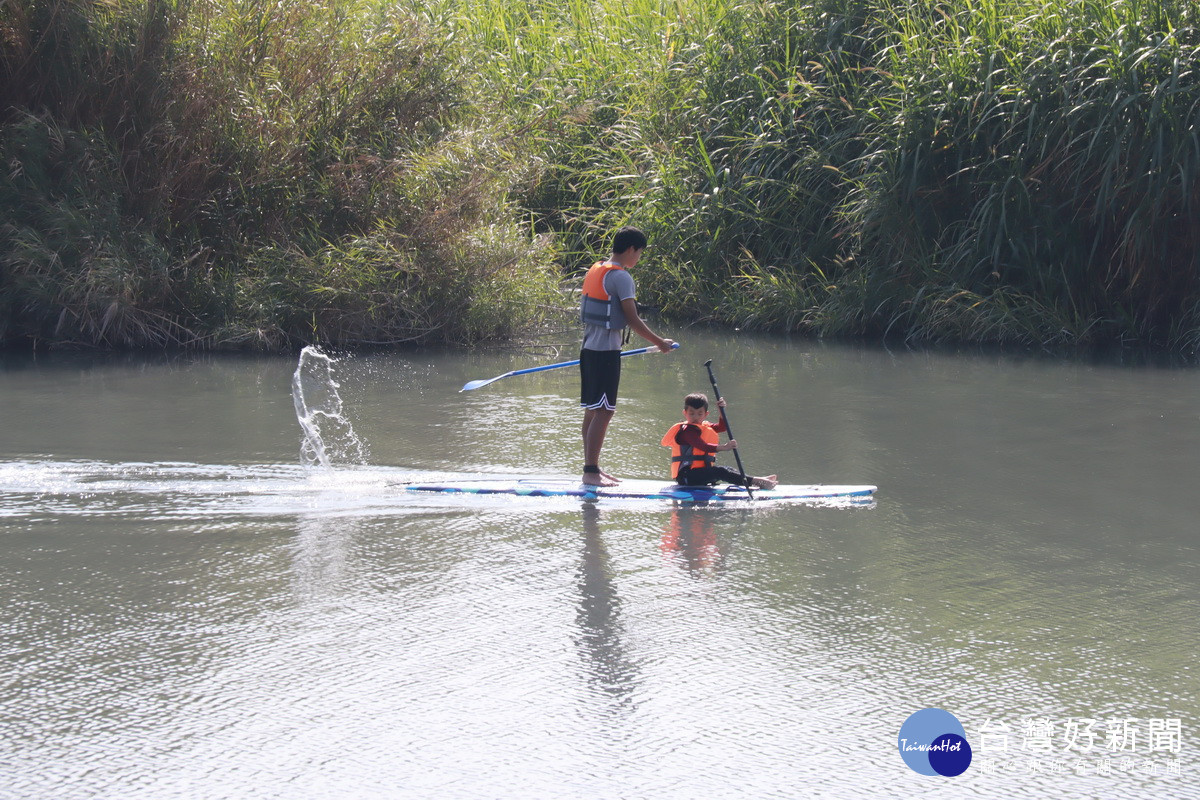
(769, 482)
(598, 479)
(594, 476)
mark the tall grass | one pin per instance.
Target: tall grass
(1046, 151)
(243, 172)
(248, 171)
(1004, 170)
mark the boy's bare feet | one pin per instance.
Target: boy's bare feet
(769, 482)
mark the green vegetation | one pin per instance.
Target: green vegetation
(244, 172)
(997, 170)
(230, 171)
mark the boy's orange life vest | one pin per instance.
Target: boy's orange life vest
(597, 308)
(684, 455)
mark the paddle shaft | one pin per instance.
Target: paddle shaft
(624, 353)
(725, 419)
(479, 384)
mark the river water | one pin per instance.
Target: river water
(194, 608)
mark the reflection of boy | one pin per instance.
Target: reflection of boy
(693, 444)
(608, 307)
(691, 534)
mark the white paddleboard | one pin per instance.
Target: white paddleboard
(640, 489)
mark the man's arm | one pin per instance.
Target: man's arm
(638, 326)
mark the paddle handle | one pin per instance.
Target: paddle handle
(725, 419)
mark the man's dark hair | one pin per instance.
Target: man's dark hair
(696, 400)
(628, 237)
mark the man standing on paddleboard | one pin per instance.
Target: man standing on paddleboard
(608, 307)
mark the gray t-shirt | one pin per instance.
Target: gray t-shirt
(619, 284)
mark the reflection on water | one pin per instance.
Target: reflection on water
(691, 536)
(190, 612)
(323, 566)
(608, 665)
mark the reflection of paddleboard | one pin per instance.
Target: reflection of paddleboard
(641, 489)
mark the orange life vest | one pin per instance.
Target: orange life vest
(683, 455)
(597, 307)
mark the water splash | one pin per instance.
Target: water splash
(328, 437)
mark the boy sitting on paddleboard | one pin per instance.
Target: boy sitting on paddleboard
(693, 444)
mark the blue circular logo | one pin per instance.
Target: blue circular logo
(934, 742)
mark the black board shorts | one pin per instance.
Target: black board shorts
(599, 377)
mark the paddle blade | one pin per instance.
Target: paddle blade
(476, 384)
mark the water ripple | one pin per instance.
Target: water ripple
(270, 631)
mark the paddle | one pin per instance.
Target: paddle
(478, 384)
(725, 418)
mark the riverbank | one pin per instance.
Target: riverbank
(215, 175)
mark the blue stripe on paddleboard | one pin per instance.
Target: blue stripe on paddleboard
(519, 488)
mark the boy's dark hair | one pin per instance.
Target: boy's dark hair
(628, 237)
(696, 400)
